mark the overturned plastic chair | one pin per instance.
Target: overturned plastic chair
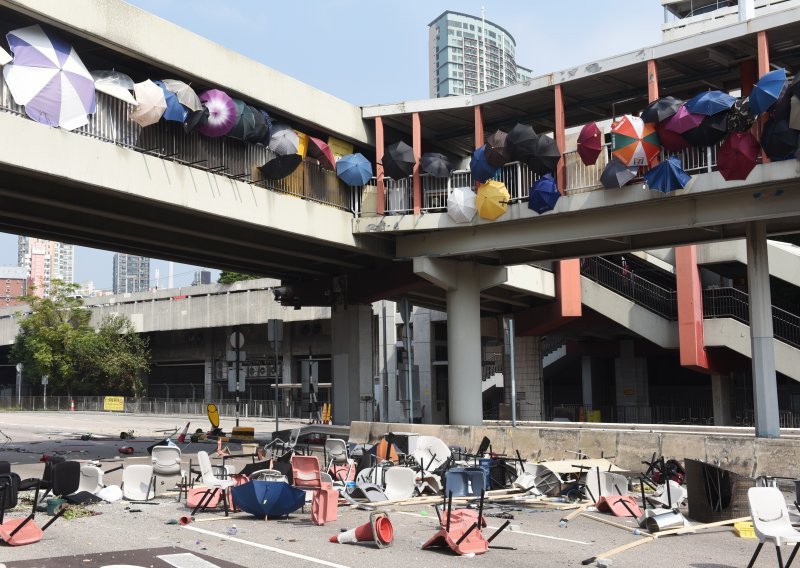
(166, 462)
(21, 531)
(401, 482)
(464, 481)
(91, 479)
(137, 482)
(431, 453)
(771, 522)
(213, 484)
(325, 500)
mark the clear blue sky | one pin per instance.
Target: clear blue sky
(371, 51)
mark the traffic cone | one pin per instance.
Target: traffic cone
(185, 520)
(182, 437)
(72, 405)
(378, 530)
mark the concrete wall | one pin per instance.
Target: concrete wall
(735, 449)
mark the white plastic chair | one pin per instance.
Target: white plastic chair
(137, 482)
(431, 452)
(268, 475)
(400, 483)
(91, 479)
(771, 522)
(212, 482)
(167, 461)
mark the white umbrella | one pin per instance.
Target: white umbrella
(186, 95)
(49, 79)
(283, 139)
(5, 57)
(461, 204)
(152, 103)
(115, 84)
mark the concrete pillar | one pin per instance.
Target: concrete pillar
(691, 339)
(747, 10)
(463, 282)
(586, 380)
(208, 379)
(351, 349)
(652, 80)
(722, 397)
(560, 135)
(379, 167)
(765, 388)
(630, 374)
(423, 403)
(529, 376)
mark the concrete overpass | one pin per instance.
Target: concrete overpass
(159, 193)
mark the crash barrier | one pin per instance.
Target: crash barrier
(732, 448)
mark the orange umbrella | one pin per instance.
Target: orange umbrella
(634, 141)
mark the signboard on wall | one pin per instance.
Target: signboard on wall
(114, 403)
(339, 147)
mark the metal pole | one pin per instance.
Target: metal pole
(238, 362)
(275, 339)
(407, 333)
(19, 385)
(385, 375)
(513, 372)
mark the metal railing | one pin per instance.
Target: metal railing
(221, 155)
(734, 303)
(248, 408)
(632, 286)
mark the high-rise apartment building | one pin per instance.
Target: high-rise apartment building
(469, 54)
(13, 284)
(45, 261)
(131, 273)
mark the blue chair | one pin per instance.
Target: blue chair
(464, 481)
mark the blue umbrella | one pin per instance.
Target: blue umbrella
(354, 169)
(175, 110)
(710, 102)
(543, 194)
(481, 169)
(268, 499)
(667, 176)
(767, 91)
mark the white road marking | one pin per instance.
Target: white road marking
(270, 548)
(186, 560)
(495, 528)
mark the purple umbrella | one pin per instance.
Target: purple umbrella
(49, 79)
(221, 113)
(683, 120)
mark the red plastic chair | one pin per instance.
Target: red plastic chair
(18, 532)
(307, 475)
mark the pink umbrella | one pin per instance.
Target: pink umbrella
(590, 143)
(221, 113)
(322, 152)
(683, 120)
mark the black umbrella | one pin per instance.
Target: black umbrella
(436, 165)
(521, 143)
(782, 109)
(794, 88)
(259, 129)
(616, 174)
(280, 167)
(778, 140)
(739, 117)
(712, 130)
(661, 110)
(398, 160)
(497, 153)
(195, 119)
(546, 157)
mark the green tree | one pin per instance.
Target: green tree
(55, 339)
(49, 337)
(231, 277)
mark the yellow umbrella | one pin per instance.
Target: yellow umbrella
(493, 198)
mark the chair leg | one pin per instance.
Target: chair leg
(204, 500)
(780, 558)
(755, 555)
(225, 502)
(792, 555)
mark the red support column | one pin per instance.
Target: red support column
(652, 92)
(763, 68)
(690, 309)
(416, 142)
(748, 75)
(379, 167)
(561, 169)
(568, 272)
(478, 126)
